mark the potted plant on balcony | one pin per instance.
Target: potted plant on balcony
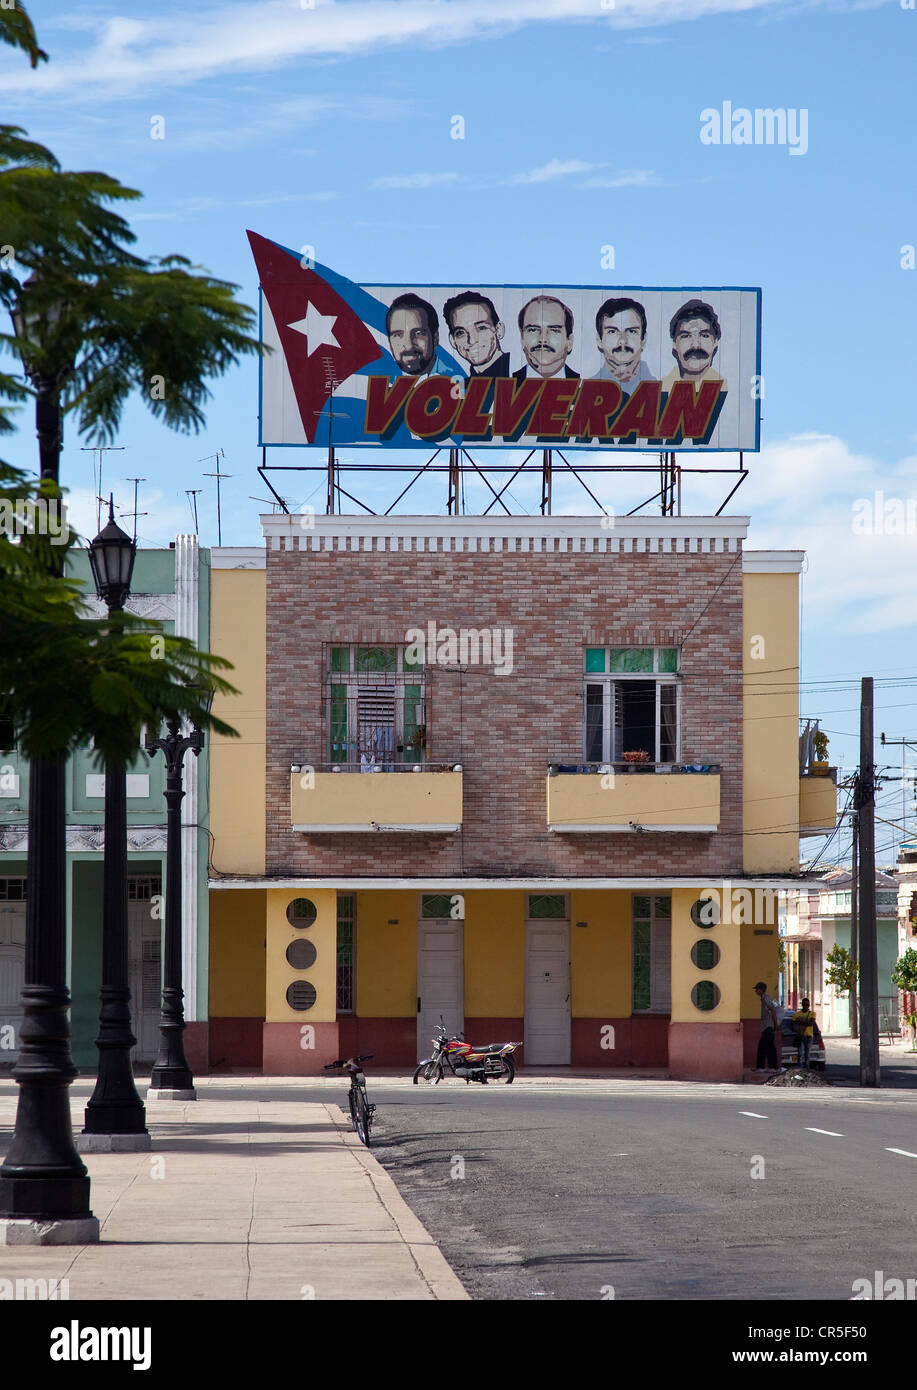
(819, 766)
(637, 760)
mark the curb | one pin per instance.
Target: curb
(434, 1268)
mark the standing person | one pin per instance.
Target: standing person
(804, 1023)
(767, 1050)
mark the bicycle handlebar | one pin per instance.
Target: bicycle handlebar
(349, 1061)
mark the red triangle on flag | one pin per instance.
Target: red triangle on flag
(324, 341)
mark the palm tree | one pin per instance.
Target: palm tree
(92, 322)
(17, 29)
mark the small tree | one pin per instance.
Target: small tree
(904, 977)
(841, 969)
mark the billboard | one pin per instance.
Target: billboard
(586, 367)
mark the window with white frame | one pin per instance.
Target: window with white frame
(631, 704)
(375, 701)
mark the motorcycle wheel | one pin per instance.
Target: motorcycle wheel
(431, 1072)
(505, 1078)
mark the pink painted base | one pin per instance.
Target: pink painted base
(196, 1042)
(284, 1054)
(706, 1051)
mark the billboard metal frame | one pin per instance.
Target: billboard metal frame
(461, 462)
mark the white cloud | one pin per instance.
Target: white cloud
(554, 169)
(416, 181)
(625, 178)
(184, 44)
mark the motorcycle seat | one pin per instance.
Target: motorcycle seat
(491, 1047)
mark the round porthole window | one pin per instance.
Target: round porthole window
(705, 996)
(301, 995)
(301, 912)
(705, 954)
(705, 912)
(301, 954)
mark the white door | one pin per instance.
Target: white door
(145, 971)
(547, 993)
(12, 976)
(440, 980)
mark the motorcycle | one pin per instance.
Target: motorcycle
(495, 1062)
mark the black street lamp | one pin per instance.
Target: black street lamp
(115, 1107)
(171, 1078)
(44, 1186)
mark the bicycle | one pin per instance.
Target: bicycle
(361, 1111)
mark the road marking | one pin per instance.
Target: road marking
(832, 1132)
(753, 1114)
(906, 1153)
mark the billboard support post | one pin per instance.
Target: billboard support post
(546, 483)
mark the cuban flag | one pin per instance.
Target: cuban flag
(328, 334)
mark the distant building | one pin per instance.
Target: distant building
(816, 920)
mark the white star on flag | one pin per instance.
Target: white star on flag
(317, 329)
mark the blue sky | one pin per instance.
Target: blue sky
(329, 126)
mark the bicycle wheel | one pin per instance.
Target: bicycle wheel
(431, 1072)
(359, 1111)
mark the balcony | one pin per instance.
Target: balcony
(818, 802)
(607, 797)
(348, 800)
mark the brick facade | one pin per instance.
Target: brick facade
(505, 729)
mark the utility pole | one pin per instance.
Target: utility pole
(903, 743)
(854, 927)
(865, 801)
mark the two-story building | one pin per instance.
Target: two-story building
(536, 775)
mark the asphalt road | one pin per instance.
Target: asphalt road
(558, 1193)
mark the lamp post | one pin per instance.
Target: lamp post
(115, 1117)
(171, 1078)
(44, 1186)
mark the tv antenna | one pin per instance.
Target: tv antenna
(100, 449)
(135, 513)
(191, 494)
(218, 475)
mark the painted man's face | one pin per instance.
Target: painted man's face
(621, 343)
(413, 345)
(694, 346)
(474, 335)
(545, 340)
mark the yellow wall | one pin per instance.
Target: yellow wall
(280, 974)
(494, 954)
(237, 953)
(237, 784)
(685, 974)
(600, 954)
(770, 723)
(387, 954)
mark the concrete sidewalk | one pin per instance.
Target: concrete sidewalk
(240, 1199)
